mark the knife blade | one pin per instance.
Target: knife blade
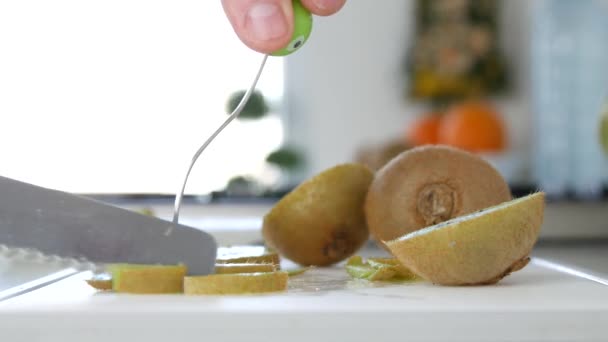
(72, 227)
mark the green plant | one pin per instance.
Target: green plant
(255, 108)
(286, 158)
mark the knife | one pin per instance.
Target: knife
(88, 233)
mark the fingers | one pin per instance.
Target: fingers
(267, 25)
(323, 7)
(263, 25)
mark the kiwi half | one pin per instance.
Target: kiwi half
(321, 222)
(476, 249)
(428, 185)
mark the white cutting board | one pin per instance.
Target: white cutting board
(535, 304)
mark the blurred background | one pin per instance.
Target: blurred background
(112, 98)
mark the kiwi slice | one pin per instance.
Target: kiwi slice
(244, 268)
(236, 283)
(102, 282)
(298, 271)
(148, 279)
(475, 249)
(321, 222)
(428, 185)
(247, 254)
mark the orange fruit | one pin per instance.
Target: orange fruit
(473, 126)
(424, 130)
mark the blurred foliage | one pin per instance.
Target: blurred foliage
(255, 108)
(604, 128)
(243, 185)
(286, 158)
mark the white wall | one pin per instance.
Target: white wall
(346, 88)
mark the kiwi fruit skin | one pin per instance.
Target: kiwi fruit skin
(321, 222)
(474, 250)
(427, 185)
(100, 284)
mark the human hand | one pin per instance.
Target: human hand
(267, 25)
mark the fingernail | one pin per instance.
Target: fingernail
(265, 21)
(326, 4)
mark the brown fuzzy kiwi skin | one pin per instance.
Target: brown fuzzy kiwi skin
(478, 251)
(321, 222)
(427, 185)
(100, 284)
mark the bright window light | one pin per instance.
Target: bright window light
(115, 96)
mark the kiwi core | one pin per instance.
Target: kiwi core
(339, 245)
(436, 203)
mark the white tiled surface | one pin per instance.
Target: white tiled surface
(535, 304)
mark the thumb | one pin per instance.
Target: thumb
(263, 25)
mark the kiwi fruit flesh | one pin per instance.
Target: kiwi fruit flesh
(321, 221)
(476, 249)
(236, 283)
(427, 185)
(148, 279)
